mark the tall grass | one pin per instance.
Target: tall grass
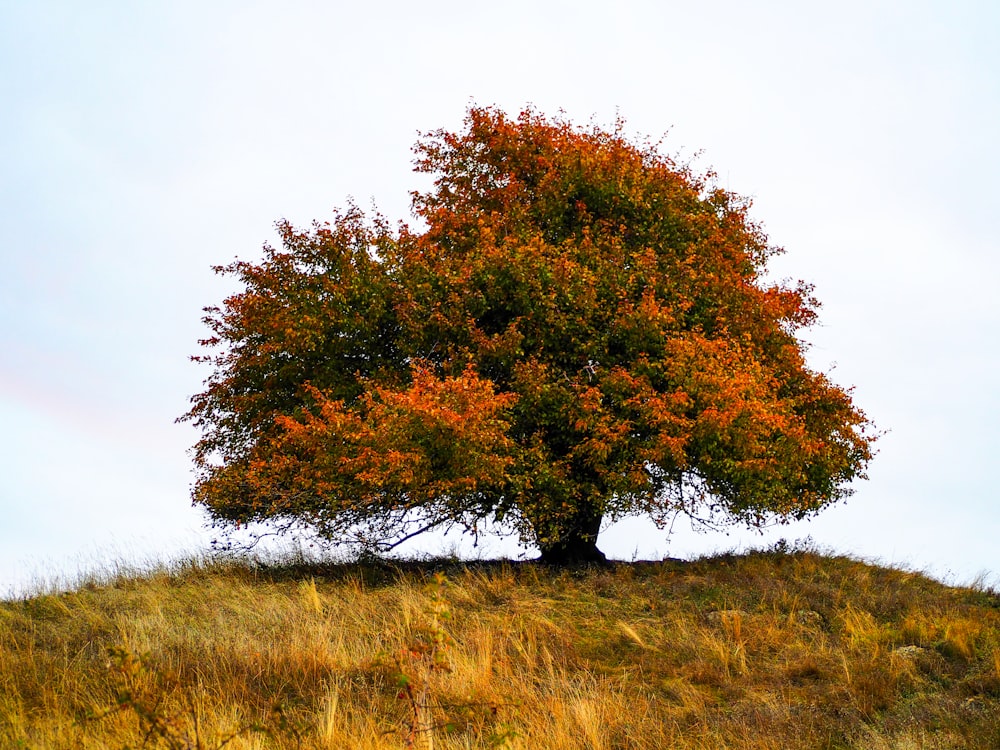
(762, 650)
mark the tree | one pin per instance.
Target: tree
(580, 329)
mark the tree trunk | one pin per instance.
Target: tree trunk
(576, 540)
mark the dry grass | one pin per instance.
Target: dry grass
(763, 650)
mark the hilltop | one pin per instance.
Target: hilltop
(772, 649)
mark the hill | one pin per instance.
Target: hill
(764, 650)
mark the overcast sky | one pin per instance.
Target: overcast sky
(141, 143)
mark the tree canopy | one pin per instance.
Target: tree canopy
(577, 328)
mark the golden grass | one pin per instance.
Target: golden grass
(763, 650)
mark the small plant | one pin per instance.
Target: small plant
(418, 662)
(425, 654)
(143, 691)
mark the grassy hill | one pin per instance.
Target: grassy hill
(763, 650)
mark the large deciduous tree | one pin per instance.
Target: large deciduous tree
(580, 329)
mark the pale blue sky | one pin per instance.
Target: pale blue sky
(140, 143)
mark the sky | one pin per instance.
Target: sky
(142, 143)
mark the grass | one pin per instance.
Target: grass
(761, 650)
